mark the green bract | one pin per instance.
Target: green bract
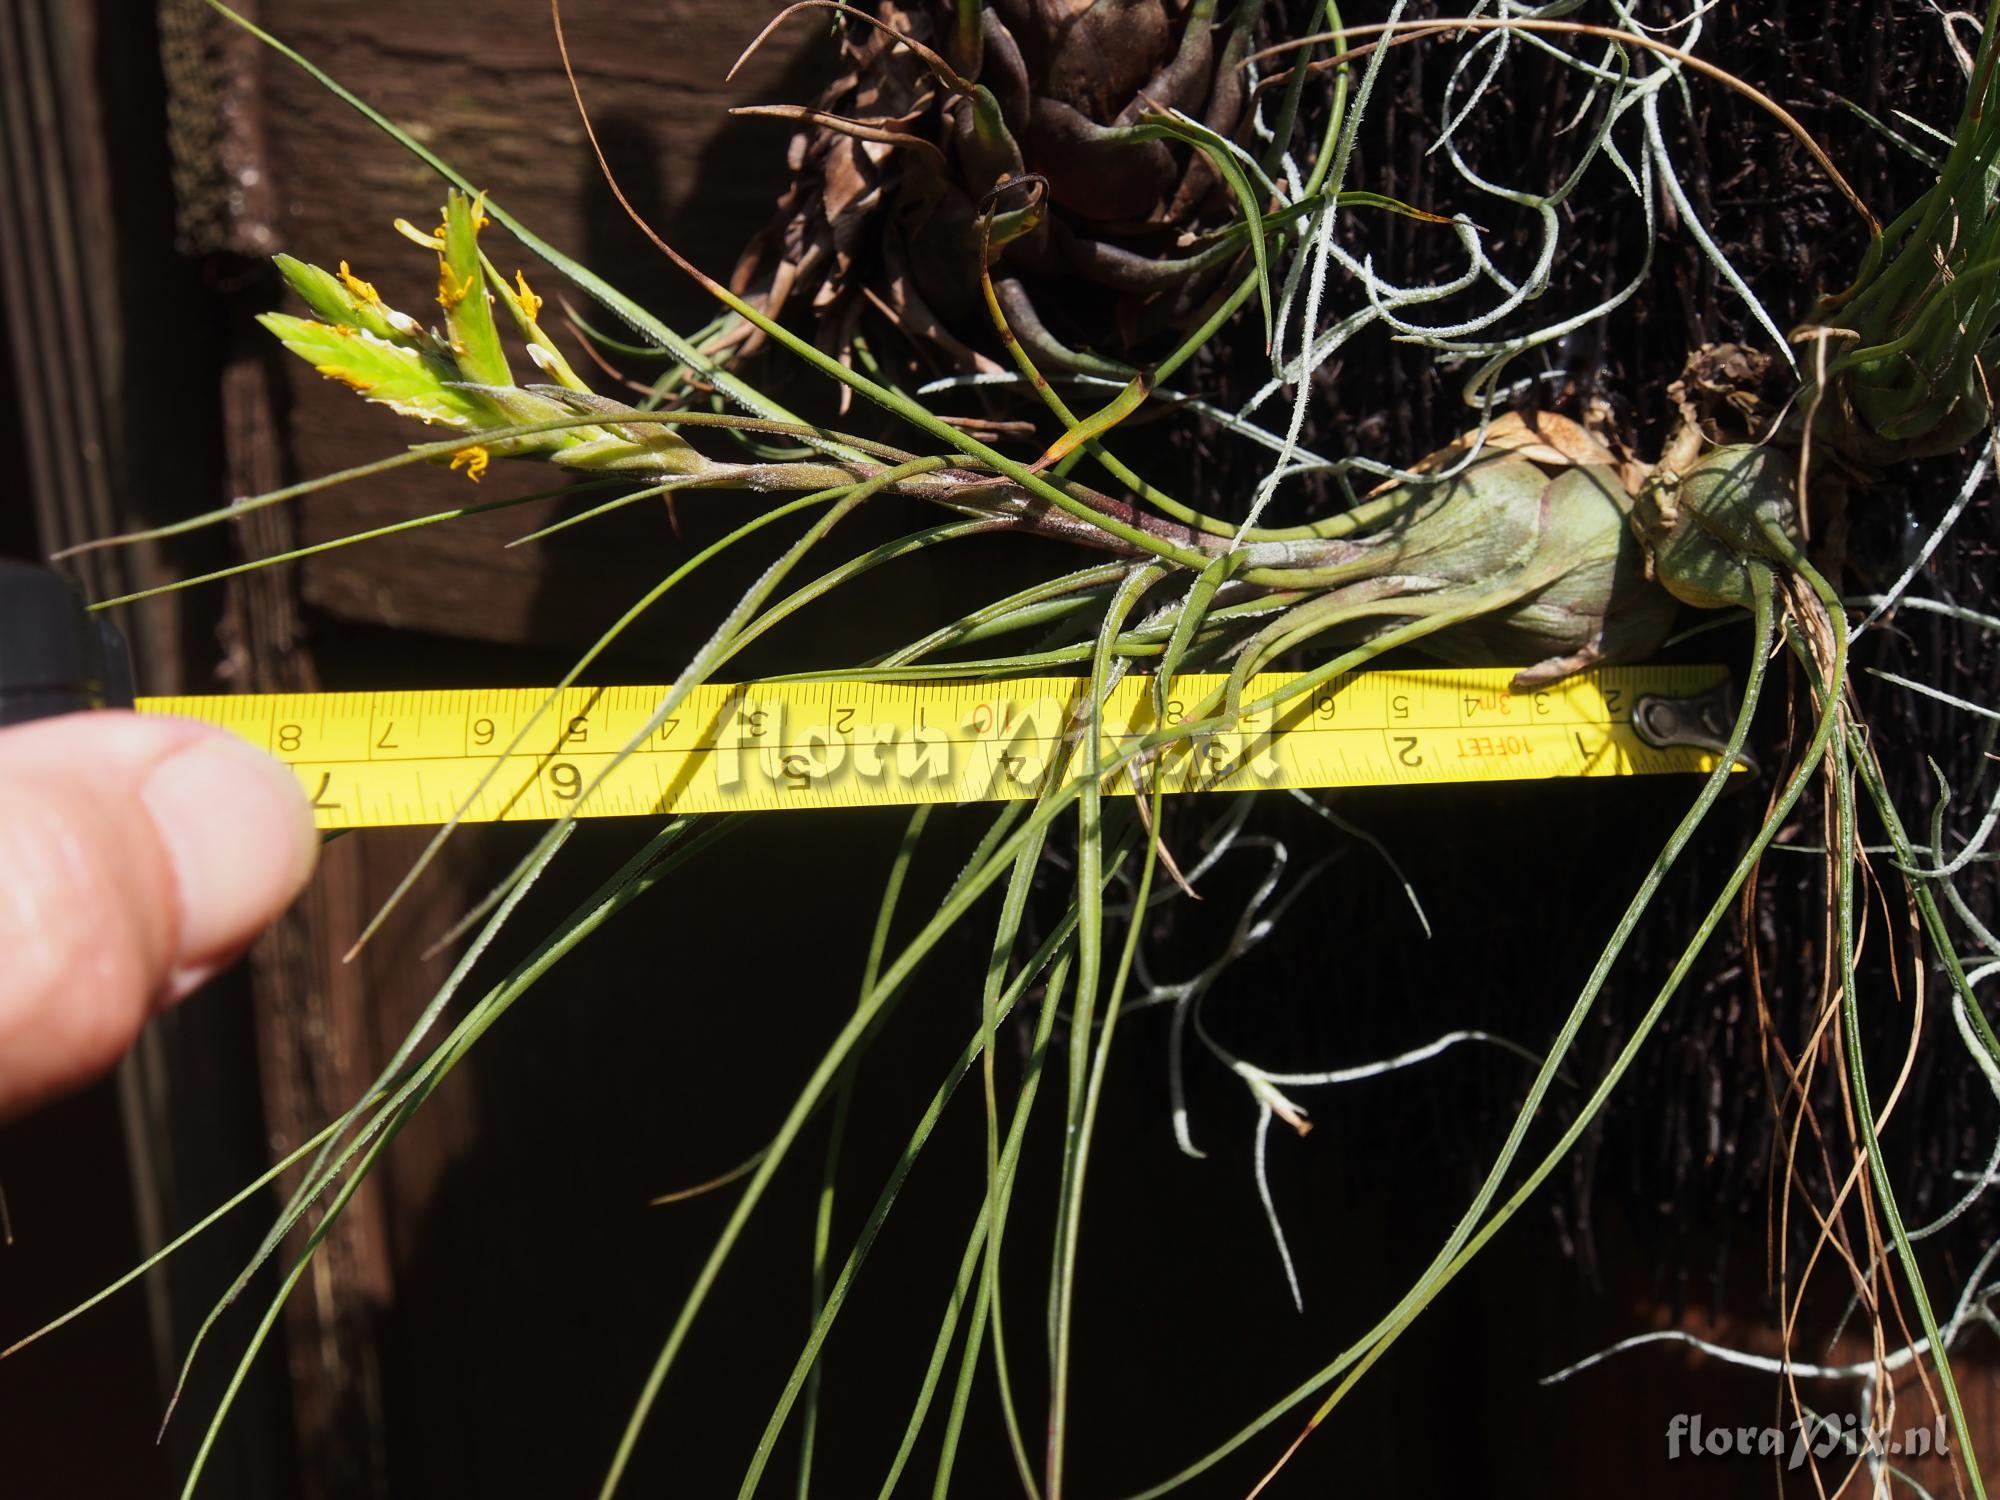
(1532, 553)
(1601, 606)
(460, 377)
(1708, 529)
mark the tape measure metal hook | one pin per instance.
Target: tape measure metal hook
(1701, 721)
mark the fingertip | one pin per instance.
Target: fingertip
(238, 836)
(86, 924)
(137, 856)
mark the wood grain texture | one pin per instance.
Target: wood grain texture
(302, 172)
(483, 86)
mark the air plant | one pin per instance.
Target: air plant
(1528, 541)
(1125, 111)
(1513, 549)
(1907, 350)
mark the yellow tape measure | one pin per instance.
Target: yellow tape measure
(371, 760)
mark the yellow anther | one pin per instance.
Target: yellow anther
(473, 460)
(360, 290)
(530, 303)
(451, 291)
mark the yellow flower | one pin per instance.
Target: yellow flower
(530, 303)
(451, 291)
(360, 290)
(473, 460)
(433, 240)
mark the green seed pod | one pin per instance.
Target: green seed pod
(1708, 529)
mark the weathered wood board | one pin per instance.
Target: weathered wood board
(482, 85)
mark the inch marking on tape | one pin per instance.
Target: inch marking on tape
(382, 759)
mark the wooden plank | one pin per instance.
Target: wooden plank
(322, 1027)
(483, 87)
(109, 342)
(293, 168)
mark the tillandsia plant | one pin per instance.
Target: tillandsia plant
(1124, 111)
(1519, 552)
(1910, 345)
(1530, 541)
